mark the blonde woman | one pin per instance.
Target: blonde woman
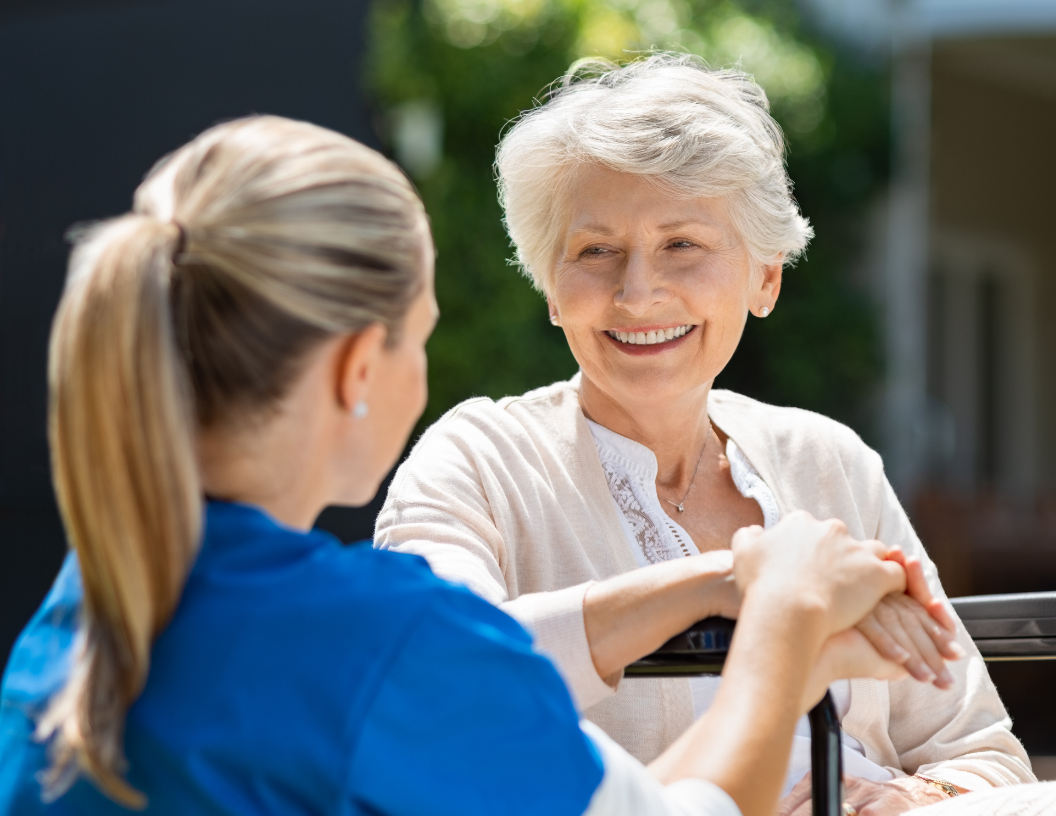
(253, 332)
(651, 206)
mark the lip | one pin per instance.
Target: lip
(635, 350)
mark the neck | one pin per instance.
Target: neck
(267, 467)
(675, 430)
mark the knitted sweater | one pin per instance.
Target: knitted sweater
(509, 499)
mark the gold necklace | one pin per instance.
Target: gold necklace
(700, 458)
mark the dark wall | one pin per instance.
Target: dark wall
(91, 94)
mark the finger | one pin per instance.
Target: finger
(745, 535)
(944, 640)
(894, 577)
(882, 641)
(800, 794)
(887, 615)
(924, 643)
(917, 588)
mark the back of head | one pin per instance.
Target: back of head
(244, 248)
(693, 130)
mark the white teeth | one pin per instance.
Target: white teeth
(652, 337)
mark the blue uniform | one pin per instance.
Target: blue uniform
(301, 676)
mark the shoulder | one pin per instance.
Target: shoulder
(38, 663)
(493, 718)
(504, 436)
(787, 433)
(509, 413)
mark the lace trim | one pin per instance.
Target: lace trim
(646, 535)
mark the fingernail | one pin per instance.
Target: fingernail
(945, 677)
(901, 655)
(958, 650)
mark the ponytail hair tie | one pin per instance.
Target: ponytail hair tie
(181, 239)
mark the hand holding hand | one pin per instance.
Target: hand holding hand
(847, 655)
(816, 564)
(915, 628)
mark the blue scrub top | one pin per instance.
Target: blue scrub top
(301, 676)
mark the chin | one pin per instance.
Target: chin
(654, 384)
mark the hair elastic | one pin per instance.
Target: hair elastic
(181, 238)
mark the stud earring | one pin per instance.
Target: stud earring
(360, 410)
(764, 311)
(555, 320)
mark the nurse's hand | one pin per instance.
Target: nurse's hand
(846, 656)
(868, 798)
(818, 564)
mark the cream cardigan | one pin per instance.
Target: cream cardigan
(509, 499)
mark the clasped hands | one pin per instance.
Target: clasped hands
(907, 632)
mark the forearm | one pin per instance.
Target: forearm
(742, 744)
(631, 615)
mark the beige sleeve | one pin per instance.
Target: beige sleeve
(963, 735)
(437, 508)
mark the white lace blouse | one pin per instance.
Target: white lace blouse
(653, 536)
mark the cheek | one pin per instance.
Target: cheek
(580, 297)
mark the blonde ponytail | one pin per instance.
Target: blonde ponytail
(122, 440)
(288, 234)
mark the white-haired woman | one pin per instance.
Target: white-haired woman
(651, 205)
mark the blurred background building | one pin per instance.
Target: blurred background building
(921, 141)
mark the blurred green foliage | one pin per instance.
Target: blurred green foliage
(477, 63)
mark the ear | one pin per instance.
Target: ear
(555, 318)
(357, 365)
(769, 287)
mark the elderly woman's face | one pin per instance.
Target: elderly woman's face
(653, 292)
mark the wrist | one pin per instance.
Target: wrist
(785, 621)
(714, 590)
(948, 788)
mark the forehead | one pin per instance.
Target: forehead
(603, 201)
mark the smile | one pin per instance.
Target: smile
(650, 338)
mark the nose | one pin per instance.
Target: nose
(642, 285)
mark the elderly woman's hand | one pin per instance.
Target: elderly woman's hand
(868, 798)
(914, 628)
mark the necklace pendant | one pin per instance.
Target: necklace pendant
(681, 509)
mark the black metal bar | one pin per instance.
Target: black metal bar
(826, 759)
(701, 650)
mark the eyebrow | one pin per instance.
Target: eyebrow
(596, 229)
(689, 222)
(601, 229)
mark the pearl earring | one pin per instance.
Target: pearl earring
(555, 320)
(764, 311)
(360, 410)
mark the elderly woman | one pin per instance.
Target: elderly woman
(650, 204)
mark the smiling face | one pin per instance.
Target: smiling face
(652, 291)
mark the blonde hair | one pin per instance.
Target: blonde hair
(244, 248)
(693, 130)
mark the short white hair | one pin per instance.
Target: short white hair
(693, 130)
